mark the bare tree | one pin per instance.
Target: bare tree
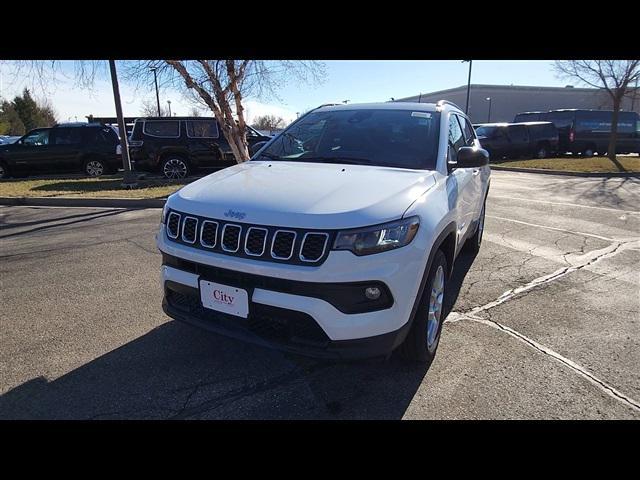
(150, 108)
(218, 85)
(614, 76)
(222, 85)
(268, 122)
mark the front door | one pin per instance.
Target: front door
(32, 153)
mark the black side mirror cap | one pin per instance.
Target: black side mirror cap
(472, 157)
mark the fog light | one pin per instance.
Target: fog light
(372, 293)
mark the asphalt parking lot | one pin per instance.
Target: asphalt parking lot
(545, 323)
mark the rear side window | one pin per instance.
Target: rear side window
(162, 128)
(560, 119)
(104, 135)
(202, 129)
(67, 136)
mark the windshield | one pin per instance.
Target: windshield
(388, 138)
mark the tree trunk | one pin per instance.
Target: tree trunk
(611, 150)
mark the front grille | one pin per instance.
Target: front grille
(282, 246)
(256, 241)
(231, 237)
(208, 234)
(189, 228)
(274, 244)
(313, 246)
(173, 224)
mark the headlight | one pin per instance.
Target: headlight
(165, 212)
(379, 238)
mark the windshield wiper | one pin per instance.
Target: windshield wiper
(342, 160)
(272, 156)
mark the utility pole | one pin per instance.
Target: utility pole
(466, 108)
(129, 180)
(155, 80)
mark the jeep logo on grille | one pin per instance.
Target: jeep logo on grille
(232, 214)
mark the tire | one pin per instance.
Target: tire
(4, 172)
(174, 167)
(588, 152)
(94, 167)
(541, 152)
(423, 337)
(472, 245)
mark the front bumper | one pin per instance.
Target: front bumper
(273, 327)
(400, 270)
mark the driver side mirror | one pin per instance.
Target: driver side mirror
(471, 157)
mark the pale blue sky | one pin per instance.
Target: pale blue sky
(356, 81)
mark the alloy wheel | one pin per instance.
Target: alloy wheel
(175, 168)
(436, 302)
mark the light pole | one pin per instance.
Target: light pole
(489, 116)
(129, 179)
(466, 108)
(155, 80)
(169, 102)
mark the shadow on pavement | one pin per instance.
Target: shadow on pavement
(179, 372)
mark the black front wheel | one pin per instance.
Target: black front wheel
(423, 338)
(174, 167)
(94, 167)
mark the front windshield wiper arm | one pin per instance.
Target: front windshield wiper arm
(271, 156)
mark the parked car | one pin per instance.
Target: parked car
(587, 131)
(177, 146)
(338, 237)
(518, 140)
(88, 147)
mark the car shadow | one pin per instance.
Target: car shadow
(460, 269)
(179, 372)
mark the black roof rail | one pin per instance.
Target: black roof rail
(447, 102)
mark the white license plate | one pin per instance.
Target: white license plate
(224, 298)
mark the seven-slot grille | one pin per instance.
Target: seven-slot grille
(313, 246)
(250, 241)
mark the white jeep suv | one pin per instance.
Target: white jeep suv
(339, 236)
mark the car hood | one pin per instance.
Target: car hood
(304, 195)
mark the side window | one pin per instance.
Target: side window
(162, 128)
(469, 135)
(37, 138)
(456, 138)
(202, 129)
(67, 136)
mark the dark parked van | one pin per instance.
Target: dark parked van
(176, 146)
(516, 140)
(88, 147)
(588, 131)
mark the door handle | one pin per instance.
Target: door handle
(476, 171)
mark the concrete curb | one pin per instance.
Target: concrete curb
(563, 172)
(84, 202)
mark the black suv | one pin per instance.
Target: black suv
(177, 146)
(91, 148)
(516, 140)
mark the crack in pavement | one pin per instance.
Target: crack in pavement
(586, 260)
(541, 281)
(601, 384)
